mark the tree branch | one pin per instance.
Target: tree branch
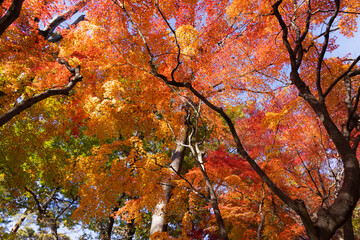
(176, 41)
(11, 15)
(323, 50)
(47, 33)
(347, 72)
(6, 117)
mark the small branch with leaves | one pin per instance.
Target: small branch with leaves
(25, 104)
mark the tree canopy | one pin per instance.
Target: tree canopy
(180, 119)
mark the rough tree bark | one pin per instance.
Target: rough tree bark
(49, 221)
(130, 229)
(106, 228)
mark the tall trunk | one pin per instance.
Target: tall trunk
(106, 227)
(158, 219)
(130, 230)
(53, 227)
(333, 217)
(220, 221)
(213, 198)
(348, 230)
(261, 225)
(262, 217)
(45, 219)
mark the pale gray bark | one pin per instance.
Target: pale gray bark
(212, 194)
(262, 217)
(331, 218)
(158, 219)
(20, 221)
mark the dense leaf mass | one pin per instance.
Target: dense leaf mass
(179, 119)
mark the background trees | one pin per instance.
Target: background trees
(274, 133)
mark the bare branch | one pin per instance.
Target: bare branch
(322, 34)
(21, 220)
(58, 19)
(284, 30)
(190, 184)
(300, 37)
(66, 208)
(323, 51)
(176, 42)
(317, 192)
(11, 15)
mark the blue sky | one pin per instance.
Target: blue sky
(347, 45)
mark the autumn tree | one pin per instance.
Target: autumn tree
(20, 87)
(34, 170)
(234, 40)
(11, 14)
(272, 62)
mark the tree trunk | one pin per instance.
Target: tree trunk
(261, 225)
(130, 230)
(45, 219)
(219, 219)
(105, 231)
(262, 217)
(158, 219)
(348, 230)
(53, 227)
(106, 227)
(213, 198)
